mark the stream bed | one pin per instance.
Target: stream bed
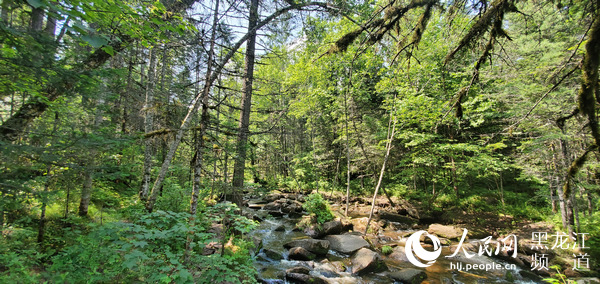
(272, 261)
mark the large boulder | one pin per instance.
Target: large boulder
(319, 247)
(409, 275)
(300, 253)
(448, 232)
(347, 244)
(365, 261)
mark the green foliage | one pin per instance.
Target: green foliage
(315, 205)
(386, 250)
(152, 249)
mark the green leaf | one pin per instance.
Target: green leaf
(35, 3)
(109, 49)
(94, 41)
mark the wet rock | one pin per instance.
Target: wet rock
(280, 228)
(449, 232)
(393, 217)
(298, 269)
(300, 253)
(398, 254)
(530, 275)
(347, 244)
(319, 247)
(272, 254)
(409, 275)
(303, 278)
(365, 261)
(588, 281)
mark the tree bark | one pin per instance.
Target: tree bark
(148, 123)
(242, 138)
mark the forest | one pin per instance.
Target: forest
(299, 141)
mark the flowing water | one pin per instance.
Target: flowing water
(274, 232)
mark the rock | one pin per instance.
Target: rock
(272, 254)
(313, 231)
(298, 269)
(365, 261)
(300, 253)
(359, 225)
(398, 254)
(449, 232)
(588, 281)
(319, 247)
(409, 275)
(393, 217)
(443, 241)
(303, 278)
(272, 206)
(292, 207)
(530, 275)
(347, 244)
(280, 228)
(272, 197)
(570, 273)
(332, 227)
(328, 228)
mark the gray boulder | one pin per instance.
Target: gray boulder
(365, 261)
(409, 275)
(319, 247)
(347, 244)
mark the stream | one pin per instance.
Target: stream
(336, 267)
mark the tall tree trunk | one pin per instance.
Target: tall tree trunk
(242, 139)
(347, 155)
(388, 147)
(148, 123)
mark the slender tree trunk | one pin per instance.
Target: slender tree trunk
(347, 155)
(388, 147)
(242, 139)
(148, 123)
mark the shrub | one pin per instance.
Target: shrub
(152, 249)
(315, 204)
(386, 250)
